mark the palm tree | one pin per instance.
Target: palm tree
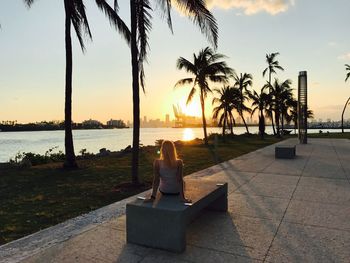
(140, 12)
(259, 103)
(205, 67)
(242, 82)
(294, 113)
(225, 100)
(273, 64)
(347, 68)
(285, 104)
(281, 93)
(75, 15)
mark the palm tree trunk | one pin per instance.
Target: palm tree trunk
(273, 125)
(277, 123)
(231, 123)
(136, 95)
(342, 115)
(282, 125)
(203, 120)
(224, 126)
(262, 124)
(70, 161)
(245, 124)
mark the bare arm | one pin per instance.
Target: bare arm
(180, 179)
(155, 178)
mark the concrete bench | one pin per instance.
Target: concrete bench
(285, 151)
(162, 224)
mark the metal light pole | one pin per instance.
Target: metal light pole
(302, 107)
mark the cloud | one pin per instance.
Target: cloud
(344, 56)
(251, 7)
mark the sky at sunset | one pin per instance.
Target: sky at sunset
(310, 35)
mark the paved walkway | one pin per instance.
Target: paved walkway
(279, 211)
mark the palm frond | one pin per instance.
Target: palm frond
(165, 5)
(116, 5)
(76, 11)
(144, 25)
(190, 96)
(264, 72)
(114, 18)
(183, 63)
(183, 82)
(200, 15)
(28, 2)
(347, 68)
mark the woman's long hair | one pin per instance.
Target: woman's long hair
(168, 153)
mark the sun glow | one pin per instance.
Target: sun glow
(191, 109)
(187, 134)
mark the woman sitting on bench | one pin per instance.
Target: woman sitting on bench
(168, 176)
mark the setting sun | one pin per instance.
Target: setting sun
(192, 109)
(187, 134)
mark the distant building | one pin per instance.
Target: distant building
(167, 120)
(91, 124)
(116, 123)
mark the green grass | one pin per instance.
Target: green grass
(38, 197)
(345, 135)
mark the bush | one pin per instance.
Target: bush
(36, 159)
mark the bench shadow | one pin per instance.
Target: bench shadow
(211, 235)
(289, 245)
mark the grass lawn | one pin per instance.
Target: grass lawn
(41, 196)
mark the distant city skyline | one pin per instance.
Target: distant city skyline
(310, 35)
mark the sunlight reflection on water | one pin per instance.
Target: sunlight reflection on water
(187, 134)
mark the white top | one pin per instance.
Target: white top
(169, 182)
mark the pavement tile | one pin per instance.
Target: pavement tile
(197, 255)
(270, 178)
(324, 167)
(300, 243)
(258, 165)
(245, 236)
(102, 244)
(267, 189)
(257, 206)
(233, 178)
(287, 166)
(332, 191)
(319, 214)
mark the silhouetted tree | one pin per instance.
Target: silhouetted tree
(140, 12)
(205, 67)
(242, 82)
(75, 15)
(347, 68)
(224, 108)
(259, 103)
(273, 64)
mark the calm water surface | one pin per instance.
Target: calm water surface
(93, 140)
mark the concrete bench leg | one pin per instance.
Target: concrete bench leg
(155, 228)
(219, 204)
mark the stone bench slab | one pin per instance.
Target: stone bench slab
(285, 151)
(162, 223)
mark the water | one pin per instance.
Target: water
(93, 140)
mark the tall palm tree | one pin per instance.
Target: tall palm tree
(259, 103)
(225, 103)
(347, 68)
(141, 25)
(286, 103)
(294, 113)
(273, 64)
(242, 82)
(281, 93)
(75, 15)
(206, 67)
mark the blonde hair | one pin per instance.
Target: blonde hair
(168, 153)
